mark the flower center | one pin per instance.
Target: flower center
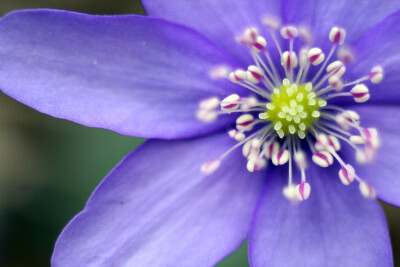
(293, 108)
(294, 116)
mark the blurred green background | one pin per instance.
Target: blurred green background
(49, 167)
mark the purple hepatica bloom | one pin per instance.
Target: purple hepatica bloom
(284, 76)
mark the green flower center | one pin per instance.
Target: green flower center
(293, 109)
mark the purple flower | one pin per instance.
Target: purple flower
(283, 78)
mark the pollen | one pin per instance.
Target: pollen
(293, 108)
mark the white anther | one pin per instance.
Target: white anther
(336, 83)
(244, 122)
(345, 55)
(364, 156)
(360, 93)
(209, 103)
(334, 142)
(289, 192)
(230, 102)
(256, 164)
(289, 32)
(236, 135)
(337, 35)
(336, 68)
(211, 166)
(347, 174)
(303, 191)
(260, 44)
(251, 34)
(357, 139)
(323, 159)
(281, 157)
(237, 76)
(322, 142)
(289, 61)
(219, 72)
(351, 116)
(376, 75)
(305, 35)
(300, 159)
(206, 115)
(249, 37)
(315, 56)
(251, 148)
(372, 137)
(367, 190)
(254, 74)
(271, 23)
(271, 148)
(249, 103)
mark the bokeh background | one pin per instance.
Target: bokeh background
(49, 167)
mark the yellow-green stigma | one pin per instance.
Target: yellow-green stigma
(293, 108)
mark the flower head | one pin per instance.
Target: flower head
(244, 86)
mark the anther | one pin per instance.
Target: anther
(289, 32)
(345, 55)
(251, 148)
(260, 44)
(290, 193)
(236, 135)
(209, 103)
(337, 35)
(238, 76)
(270, 149)
(289, 60)
(303, 191)
(322, 142)
(271, 23)
(376, 75)
(323, 159)
(206, 115)
(360, 93)
(357, 139)
(315, 56)
(229, 103)
(347, 174)
(256, 164)
(211, 166)
(367, 190)
(281, 157)
(305, 35)
(219, 72)
(336, 68)
(249, 103)
(334, 143)
(254, 74)
(336, 83)
(371, 135)
(243, 122)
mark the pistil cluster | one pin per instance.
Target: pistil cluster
(286, 115)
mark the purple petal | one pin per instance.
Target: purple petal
(380, 47)
(383, 174)
(131, 74)
(336, 226)
(219, 20)
(157, 209)
(353, 15)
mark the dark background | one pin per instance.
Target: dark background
(49, 167)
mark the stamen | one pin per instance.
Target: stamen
(360, 93)
(294, 108)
